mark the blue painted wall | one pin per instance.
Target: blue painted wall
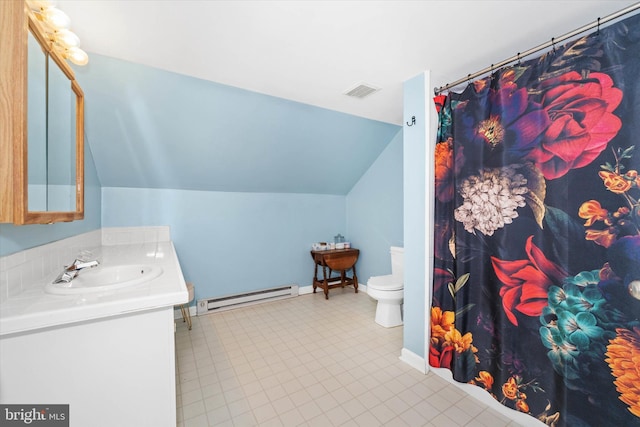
(152, 128)
(374, 212)
(229, 242)
(246, 182)
(415, 212)
(14, 238)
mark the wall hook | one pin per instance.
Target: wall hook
(413, 121)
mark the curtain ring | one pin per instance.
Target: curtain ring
(518, 59)
(598, 31)
(553, 43)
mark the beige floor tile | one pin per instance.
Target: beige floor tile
(219, 415)
(199, 421)
(292, 418)
(193, 410)
(311, 362)
(416, 418)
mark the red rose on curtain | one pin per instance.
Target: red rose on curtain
(525, 282)
(582, 122)
(441, 358)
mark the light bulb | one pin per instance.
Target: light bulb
(66, 38)
(41, 5)
(77, 56)
(57, 18)
(56, 24)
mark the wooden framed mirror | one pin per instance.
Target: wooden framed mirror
(42, 121)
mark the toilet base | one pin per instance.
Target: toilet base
(389, 314)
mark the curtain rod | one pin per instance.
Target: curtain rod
(554, 40)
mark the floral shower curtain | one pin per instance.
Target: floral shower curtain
(536, 292)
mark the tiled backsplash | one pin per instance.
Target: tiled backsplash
(133, 235)
(20, 270)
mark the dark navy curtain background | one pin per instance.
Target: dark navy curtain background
(537, 233)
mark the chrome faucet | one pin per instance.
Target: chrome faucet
(81, 264)
(70, 272)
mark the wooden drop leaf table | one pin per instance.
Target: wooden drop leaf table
(335, 260)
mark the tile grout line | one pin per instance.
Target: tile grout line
(227, 343)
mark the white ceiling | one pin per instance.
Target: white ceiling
(313, 51)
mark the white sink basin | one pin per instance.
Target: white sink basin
(101, 279)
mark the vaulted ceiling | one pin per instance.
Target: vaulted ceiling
(150, 128)
(313, 51)
(249, 95)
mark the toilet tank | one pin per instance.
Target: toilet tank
(397, 263)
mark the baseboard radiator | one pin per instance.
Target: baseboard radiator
(212, 305)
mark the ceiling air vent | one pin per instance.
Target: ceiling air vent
(362, 90)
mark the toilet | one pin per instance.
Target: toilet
(389, 291)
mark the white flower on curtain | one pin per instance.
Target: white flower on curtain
(491, 199)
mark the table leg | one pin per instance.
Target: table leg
(315, 277)
(325, 284)
(355, 278)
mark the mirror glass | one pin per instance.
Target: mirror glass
(37, 124)
(51, 134)
(61, 141)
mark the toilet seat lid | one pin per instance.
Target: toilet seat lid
(385, 283)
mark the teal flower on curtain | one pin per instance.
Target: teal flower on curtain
(561, 353)
(577, 325)
(582, 294)
(557, 297)
(579, 329)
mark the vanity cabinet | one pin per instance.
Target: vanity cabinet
(107, 353)
(41, 125)
(118, 371)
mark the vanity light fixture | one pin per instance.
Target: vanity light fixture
(56, 27)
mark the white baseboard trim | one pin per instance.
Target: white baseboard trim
(480, 394)
(302, 290)
(413, 360)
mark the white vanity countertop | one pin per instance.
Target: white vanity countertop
(35, 309)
